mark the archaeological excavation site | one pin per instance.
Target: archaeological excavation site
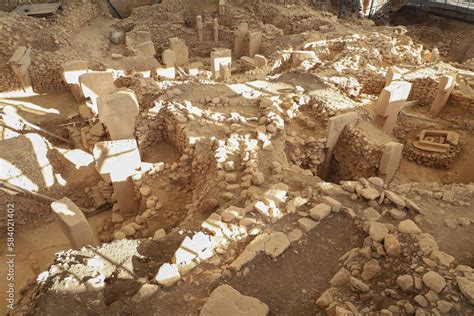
(237, 157)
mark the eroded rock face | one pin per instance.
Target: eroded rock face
(225, 300)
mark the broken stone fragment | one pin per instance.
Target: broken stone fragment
(225, 300)
(358, 285)
(395, 198)
(307, 224)
(326, 298)
(277, 244)
(168, 274)
(405, 282)
(408, 227)
(340, 278)
(392, 245)
(146, 291)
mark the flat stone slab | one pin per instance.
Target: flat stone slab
(225, 300)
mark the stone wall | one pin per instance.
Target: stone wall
(356, 156)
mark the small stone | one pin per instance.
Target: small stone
(371, 215)
(408, 227)
(441, 258)
(117, 217)
(434, 281)
(326, 298)
(335, 204)
(159, 234)
(405, 282)
(128, 230)
(421, 300)
(295, 235)
(397, 214)
(467, 288)
(358, 285)
(371, 270)
(377, 231)
(118, 235)
(320, 211)
(392, 245)
(395, 198)
(369, 193)
(145, 191)
(258, 178)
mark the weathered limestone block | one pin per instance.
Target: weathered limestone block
(390, 161)
(118, 112)
(73, 223)
(446, 86)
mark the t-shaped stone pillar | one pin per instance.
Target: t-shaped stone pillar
(73, 223)
(119, 159)
(96, 84)
(20, 62)
(467, 174)
(446, 86)
(255, 42)
(391, 100)
(71, 71)
(222, 5)
(216, 30)
(336, 125)
(393, 74)
(220, 57)
(118, 111)
(239, 39)
(200, 28)
(390, 161)
(181, 50)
